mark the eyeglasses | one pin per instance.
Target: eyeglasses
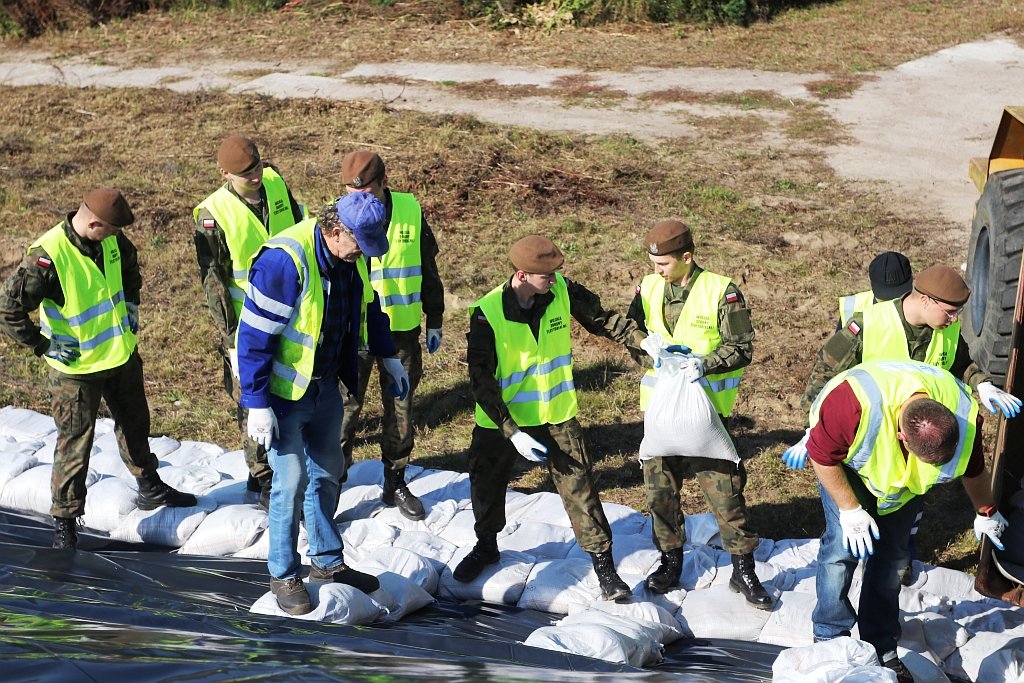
(951, 315)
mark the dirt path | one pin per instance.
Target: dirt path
(914, 127)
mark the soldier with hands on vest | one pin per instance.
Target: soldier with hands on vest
(252, 205)
(308, 308)
(924, 326)
(83, 277)
(882, 434)
(410, 289)
(520, 370)
(891, 278)
(681, 304)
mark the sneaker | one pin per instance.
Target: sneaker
(291, 595)
(367, 583)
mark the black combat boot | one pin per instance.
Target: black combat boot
(346, 575)
(485, 552)
(666, 576)
(65, 533)
(154, 492)
(396, 493)
(612, 587)
(291, 595)
(745, 581)
(903, 674)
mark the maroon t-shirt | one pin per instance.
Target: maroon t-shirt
(838, 420)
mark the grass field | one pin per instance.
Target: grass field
(776, 218)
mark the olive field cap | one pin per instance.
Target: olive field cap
(891, 276)
(944, 284)
(359, 169)
(366, 217)
(110, 206)
(667, 237)
(237, 154)
(536, 254)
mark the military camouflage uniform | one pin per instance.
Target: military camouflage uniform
(492, 456)
(215, 272)
(844, 349)
(75, 399)
(396, 441)
(721, 480)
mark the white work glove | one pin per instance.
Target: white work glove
(993, 397)
(262, 426)
(653, 345)
(692, 369)
(133, 316)
(528, 447)
(433, 339)
(64, 351)
(858, 528)
(233, 360)
(399, 378)
(795, 456)
(993, 527)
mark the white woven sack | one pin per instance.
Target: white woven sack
(107, 502)
(336, 603)
(399, 595)
(719, 613)
(591, 640)
(14, 463)
(226, 530)
(30, 490)
(500, 582)
(841, 660)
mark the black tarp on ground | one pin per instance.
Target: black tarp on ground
(116, 612)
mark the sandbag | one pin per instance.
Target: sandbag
(226, 530)
(336, 603)
(500, 582)
(645, 634)
(842, 660)
(659, 621)
(399, 595)
(680, 419)
(107, 502)
(590, 640)
(719, 613)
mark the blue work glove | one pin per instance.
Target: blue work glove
(678, 348)
(399, 378)
(991, 395)
(433, 339)
(64, 351)
(795, 456)
(133, 316)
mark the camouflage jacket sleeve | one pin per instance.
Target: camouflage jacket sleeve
(22, 293)
(432, 289)
(639, 332)
(737, 331)
(215, 275)
(586, 308)
(965, 368)
(842, 351)
(482, 358)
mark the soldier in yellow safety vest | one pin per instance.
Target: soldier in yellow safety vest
(520, 370)
(410, 290)
(682, 304)
(83, 277)
(891, 278)
(252, 205)
(882, 434)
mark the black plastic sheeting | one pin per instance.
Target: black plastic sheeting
(115, 612)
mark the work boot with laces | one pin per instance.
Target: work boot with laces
(903, 674)
(291, 595)
(65, 533)
(397, 494)
(346, 575)
(154, 492)
(612, 586)
(666, 576)
(485, 552)
(745, 581)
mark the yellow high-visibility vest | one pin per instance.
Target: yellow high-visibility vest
(397, 276)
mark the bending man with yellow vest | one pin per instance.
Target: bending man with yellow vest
(253, 205)
(683, 304)
(882, 434)
(83, 277)
(891, 278)
(410, 287)
(308, 308)
(520, 370)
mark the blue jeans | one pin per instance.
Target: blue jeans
(308, 464)
(879, 610)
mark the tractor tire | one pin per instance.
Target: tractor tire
(993, 271)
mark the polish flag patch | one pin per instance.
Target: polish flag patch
(209, 223)
(732, 297)
(482, 319)
(853, 327)
(44, 262)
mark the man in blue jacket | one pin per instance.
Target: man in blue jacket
(308, 308)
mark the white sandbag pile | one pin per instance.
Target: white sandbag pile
(947, 625)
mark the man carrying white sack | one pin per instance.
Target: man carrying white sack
(682, 305)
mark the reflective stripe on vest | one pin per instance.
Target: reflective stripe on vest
(697, 328)
(852, 304)
(535, 375)
(886, 339)
(243, 230)
(94, 312)
(881, 388)
(398, 275)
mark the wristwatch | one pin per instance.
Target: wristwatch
(988, 511)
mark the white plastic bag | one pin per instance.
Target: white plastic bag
(680, 419)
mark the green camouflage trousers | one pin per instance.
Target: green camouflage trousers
(396, 439)
(722, 482)
(75, 401)
(255, 455)
(491, 461)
